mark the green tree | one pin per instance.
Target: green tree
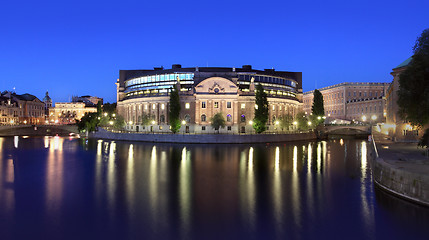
(119, 122)
(110, 108)
(261, 111)
(413, 93)
(146, 119)
(302, 121)
(89, 122)
(174, 112)
(218, 121)
(285, 121)
(318, 110)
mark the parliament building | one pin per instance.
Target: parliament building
(205, 91)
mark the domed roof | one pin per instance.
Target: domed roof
(47, 98)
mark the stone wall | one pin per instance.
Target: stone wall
(203, 138)
(403, 183)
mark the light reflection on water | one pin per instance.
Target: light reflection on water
(297, 190)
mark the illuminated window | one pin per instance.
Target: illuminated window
(187, 105)
(274, 107)
(243, 106)
(153, 106)
(162, 106)
(216, 104)
(203, 104)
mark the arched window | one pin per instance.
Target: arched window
(187, 118)
(229, 118)
(203, 118)
(243, 118)
(162, 119)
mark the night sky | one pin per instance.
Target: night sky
(78, 47)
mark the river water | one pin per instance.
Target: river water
(63, 188)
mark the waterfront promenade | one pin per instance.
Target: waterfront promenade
(401, 169)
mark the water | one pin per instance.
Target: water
(61, 188)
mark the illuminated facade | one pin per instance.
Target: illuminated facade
(351, 101)
(395, 126)
(24, 109)
(65, 113)
(203, 93)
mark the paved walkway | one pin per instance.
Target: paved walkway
(405, 156)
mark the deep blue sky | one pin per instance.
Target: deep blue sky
(78, 47)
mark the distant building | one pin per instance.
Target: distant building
(205, 91)
(398, 128)
(351, 101)
(31, 109)
(48, 103)
(9, 111)
(88, 100)
(67, 113)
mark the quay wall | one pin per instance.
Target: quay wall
(37, 130)
(403, 183)
(203, 138)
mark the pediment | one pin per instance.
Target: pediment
(216, 85)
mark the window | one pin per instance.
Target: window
(228, 104)
(229, 118)
(243, 106)
(203, 118)
(187, 118)
(243, 118)
(203, 104)
(274, 107)
(153, 106)
(162, 119)
(162, 106)
(216, 104)
(203, 128)
(187, 105)
(160, 127)
(229, 128)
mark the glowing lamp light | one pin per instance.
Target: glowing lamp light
(374, 117)
(183, 122)
(131, 122)
(56, 121)
(277, 122)
(11, 121)
(114, 115)
(364, 118)
(153, 122)
(105, 114)
(319, 117)
(309, 123)
(111, 122)
(295, 123)
(324, 117)
(25, 121)
(250, 122)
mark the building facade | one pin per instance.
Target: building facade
(68, 113)
(203, 93)
(30, 109)
(398, 128)
(362, 102)
(88, 100)
(9, 111)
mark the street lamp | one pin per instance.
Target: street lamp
(183, 122)
(277, 122)
(309, 123)
(153, 122)
(105, 114)
(374, 117)
(364, 118)
(131, 122)
(250, 122)
(111, 122)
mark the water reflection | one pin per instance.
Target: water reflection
(300, 190)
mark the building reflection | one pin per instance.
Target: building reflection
(7, 179)
(54, 175)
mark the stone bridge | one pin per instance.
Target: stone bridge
(37, 130)
(347, 129)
